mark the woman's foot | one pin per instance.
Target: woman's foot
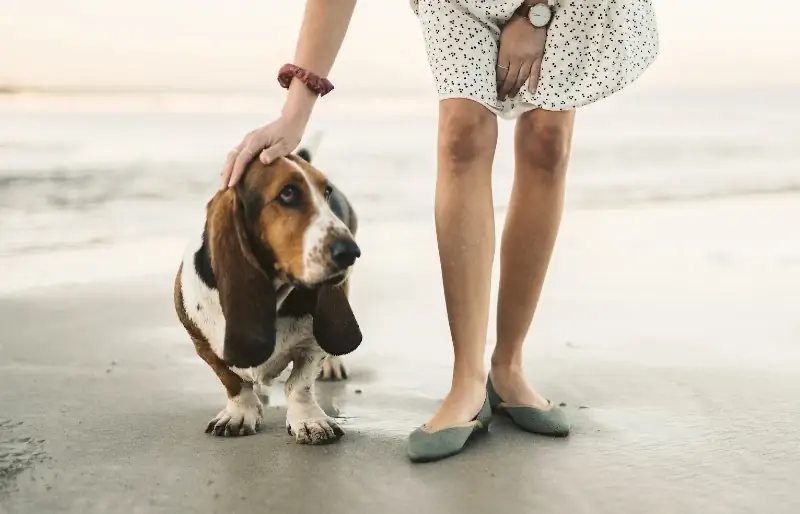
(526, 408)
(510, 384)
(460, 405)
(427, 445)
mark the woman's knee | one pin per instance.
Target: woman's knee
(467, 131)
(543, 142)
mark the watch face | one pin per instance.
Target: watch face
(539, 15)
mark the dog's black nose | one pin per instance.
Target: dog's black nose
(344, 252)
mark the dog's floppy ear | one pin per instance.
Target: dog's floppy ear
(246, 294)
(335, 327)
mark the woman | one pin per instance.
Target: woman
(535, 61)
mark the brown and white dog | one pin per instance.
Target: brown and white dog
(266, 285)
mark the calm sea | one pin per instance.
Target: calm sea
(84, 169)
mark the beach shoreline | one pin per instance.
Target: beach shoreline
(148, 255)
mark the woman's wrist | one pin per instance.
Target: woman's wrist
(299, 102)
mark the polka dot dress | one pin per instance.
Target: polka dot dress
(594, 48)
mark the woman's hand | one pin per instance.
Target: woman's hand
(324, 25)
(519, 57)
(269, 142)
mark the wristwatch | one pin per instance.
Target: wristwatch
(539, 14)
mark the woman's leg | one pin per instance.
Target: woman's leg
(465, 233)
(542, 146)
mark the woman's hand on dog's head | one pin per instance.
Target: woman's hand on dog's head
(274, 140)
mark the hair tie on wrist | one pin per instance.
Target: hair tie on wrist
(316, 84)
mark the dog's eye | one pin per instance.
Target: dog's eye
(290, 196)
(328, 192)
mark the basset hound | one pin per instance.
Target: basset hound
(267, 285)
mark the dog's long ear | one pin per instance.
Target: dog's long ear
(246, 294)
(335, 327)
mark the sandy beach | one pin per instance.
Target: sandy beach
(669, 330)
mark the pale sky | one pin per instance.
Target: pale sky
(241, 43)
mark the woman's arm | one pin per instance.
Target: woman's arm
(324, 26)
(322, 32)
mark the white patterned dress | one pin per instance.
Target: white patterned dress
(594, 48)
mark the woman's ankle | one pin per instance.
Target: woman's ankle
(468, 380)
(506, 362)
(467, 372)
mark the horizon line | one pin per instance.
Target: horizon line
(87, 89)
(9, 89)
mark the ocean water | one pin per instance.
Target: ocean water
(79, 170)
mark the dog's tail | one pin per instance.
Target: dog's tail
(309, 146)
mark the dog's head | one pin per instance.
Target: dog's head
(286, 215)
(275, 228)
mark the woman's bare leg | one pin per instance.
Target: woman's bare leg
(465, 233)
(542, 147)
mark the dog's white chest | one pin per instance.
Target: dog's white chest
(202, 306)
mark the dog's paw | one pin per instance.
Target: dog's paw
(333, 369)
(315, 431)
(241, 416)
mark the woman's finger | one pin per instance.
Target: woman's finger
(501, 72)
(255, 143)
(242, 160)
(536, 69)
(279, 149)
(524, 73)
(227, 169)
(510, 80)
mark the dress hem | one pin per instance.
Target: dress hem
(522, 108)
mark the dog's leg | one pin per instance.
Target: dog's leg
(305, 419)
(262, 391)
(333, 367)
(243, 413)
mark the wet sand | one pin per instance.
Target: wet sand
(669, 331)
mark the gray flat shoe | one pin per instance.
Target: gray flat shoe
(424, 446)
(552, 422)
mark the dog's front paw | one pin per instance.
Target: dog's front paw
(315, 431)
(241, 416)
(333, 369)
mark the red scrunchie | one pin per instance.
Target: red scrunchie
(312, 81)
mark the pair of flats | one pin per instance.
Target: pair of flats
(427, 446)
